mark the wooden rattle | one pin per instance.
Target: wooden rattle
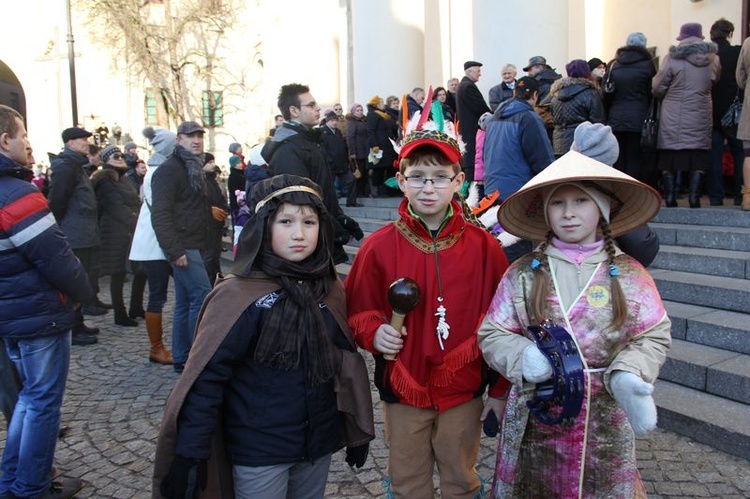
(403, 295)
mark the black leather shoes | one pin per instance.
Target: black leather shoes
(82, 338)
(92, 309)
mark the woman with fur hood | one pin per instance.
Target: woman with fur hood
(574, 99)
(684, 83)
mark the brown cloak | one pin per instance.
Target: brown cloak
(221, 310)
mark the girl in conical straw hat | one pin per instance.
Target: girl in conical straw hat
(579, 279)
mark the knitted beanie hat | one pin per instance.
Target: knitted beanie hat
(597, 142)
(234, 146)
(578, 68)
(107, 153)
(636, 39)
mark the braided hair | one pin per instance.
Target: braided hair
(541, 284)
(619, 304)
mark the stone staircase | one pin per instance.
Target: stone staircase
(703, 274)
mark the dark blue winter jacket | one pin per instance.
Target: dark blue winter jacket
(40, 277)
(516, 148)
(269, 416)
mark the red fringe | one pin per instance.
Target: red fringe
(463, 354)
(407, 388)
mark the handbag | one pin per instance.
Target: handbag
(731, 118)
(650, 128)
(608, 86)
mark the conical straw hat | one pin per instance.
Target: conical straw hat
(522, 214)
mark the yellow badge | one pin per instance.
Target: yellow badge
(597, 296)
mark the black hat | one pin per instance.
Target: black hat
(207, 158)
(595, 63)
(331, 115)
(188, 127)
(74, 132)
(537, 60)
(471, 64)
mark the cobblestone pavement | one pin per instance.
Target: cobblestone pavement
(114, 401)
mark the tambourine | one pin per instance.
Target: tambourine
(559, 399)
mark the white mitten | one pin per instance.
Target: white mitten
(535, 366)
(634, 396)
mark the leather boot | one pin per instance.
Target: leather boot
(694, 196)
(745, 198)
(122, 319)
(158, 352)
(667, 180)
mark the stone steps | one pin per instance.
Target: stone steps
(722, 423)
(706, 326)
(716, 262)
(723, 293)
(711, 370)
(701, 236)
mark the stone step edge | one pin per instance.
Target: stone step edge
(720, 372)
(715, 421)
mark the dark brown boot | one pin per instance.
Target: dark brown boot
(158, 352)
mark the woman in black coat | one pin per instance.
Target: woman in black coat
(381, 128)
(356, 141)
(631, 72)
(574, 100)
(118, 205)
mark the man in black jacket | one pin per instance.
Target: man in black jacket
(471, 106)
(73, 202)
(180, 213)
(335, 151)
(295, 149)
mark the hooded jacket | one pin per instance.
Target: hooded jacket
(684, 84)
(40, 277)
(631, 72)
(573, 101)
(516, 148)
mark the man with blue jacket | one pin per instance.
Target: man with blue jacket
(41, 282)
(516, 147)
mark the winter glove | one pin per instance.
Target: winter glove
(535, 366)
(491, 425)
(352, 227)
(186, 479)
(634, 396)
(356, 456)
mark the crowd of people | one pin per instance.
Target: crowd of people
(271, 382)
(687, 93)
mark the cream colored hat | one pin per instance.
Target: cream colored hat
(632, 203)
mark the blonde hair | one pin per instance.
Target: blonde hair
(541, 285)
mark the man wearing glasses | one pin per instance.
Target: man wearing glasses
(296, 150)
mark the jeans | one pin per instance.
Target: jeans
(190, 289)
(42, 364)
(157, 273)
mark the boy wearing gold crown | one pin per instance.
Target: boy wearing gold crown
(432, 391)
